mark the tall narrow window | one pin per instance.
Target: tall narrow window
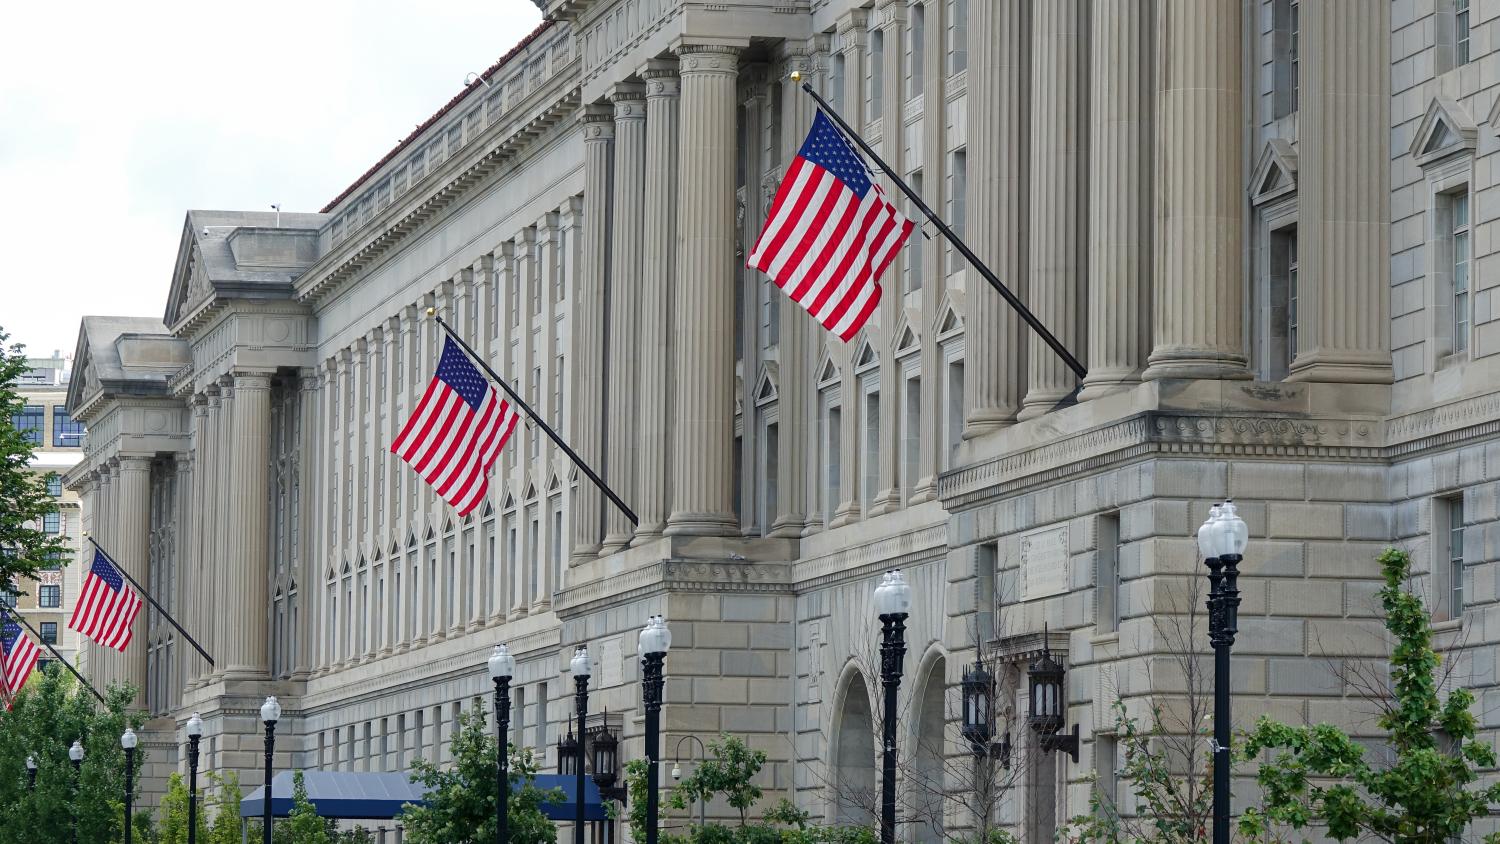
(1295, 55)
(914, 245)
(1460, 32)
(958, 196)
(916, 35)
(958, 31)
(1291, 296)
(876, 76)
(872, 448)
(954, 411)
(836, 82)
(770, 456)
(557, 541)
(1447, 544)
(1456, 555)
(832, 465)
(911, 430)
(1460, 216)
(1105, 762)
(1107, 575)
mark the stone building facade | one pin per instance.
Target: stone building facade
(1149, 175)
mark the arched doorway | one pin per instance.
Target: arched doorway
(926, 791)
(854, 782)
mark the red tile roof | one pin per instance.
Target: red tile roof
(451, 104)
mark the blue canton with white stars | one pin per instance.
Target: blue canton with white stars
(9, 633)
(106, 572)
(827, 148)
(459, 373)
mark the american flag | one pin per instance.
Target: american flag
(106, 607)
(831, 233)
(456, 431)
(18, 655)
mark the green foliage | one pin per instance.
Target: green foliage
(1172, 809)
(24, 548)
(1318, 774)
(461, 799)
(731, 772)
(49, 714)
(302, 826)
(173, 813)
(222, 799)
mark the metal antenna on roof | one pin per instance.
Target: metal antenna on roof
(277, 208)
(469, 80)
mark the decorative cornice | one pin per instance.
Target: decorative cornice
(676, 575)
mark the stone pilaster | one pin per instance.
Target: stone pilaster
(1059, 222)
(588, 327)
(622, 449)
(305, 561)
(193, 567)
(703, 315)
(223, 437)
(658, 274)
(247, 577)
(795, 344)
(1343, 195)
(999, 114)
(131, 548)
(1120, 186)
(1198, 296)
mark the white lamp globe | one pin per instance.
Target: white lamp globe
(76, 752)
(128, 740)
(270, 711)
(580, 663)
(502, 664)
(195, 726)
(1206, 541)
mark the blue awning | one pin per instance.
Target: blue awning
(356, 795)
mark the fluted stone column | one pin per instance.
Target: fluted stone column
(247, 574)
(1198, 296)
(1120, 190)
(703, 313)
(588, 327)
(219, 581)
(131, 548)
(795, 353)
(305, 559)
(1059, 223)
(999, 115)
(192, 572)
(625, 281)
(658, 274)
(1343, 194)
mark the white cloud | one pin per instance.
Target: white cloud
(116, 118)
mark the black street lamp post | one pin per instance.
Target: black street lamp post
(128, 742)
(1221, 541)
(30, 772)
(653, 645)
(502, 668)
(194, 734)
(580, 669)
(892, 603)
(75, 756)
(270, 713)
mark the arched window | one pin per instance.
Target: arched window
(855, 785)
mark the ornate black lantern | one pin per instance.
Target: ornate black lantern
(1045, 676)
(567, 755)
(604, 748)
(979, 719)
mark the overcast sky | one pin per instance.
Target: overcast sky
(116, 118)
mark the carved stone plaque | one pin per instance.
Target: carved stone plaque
(1044, 563)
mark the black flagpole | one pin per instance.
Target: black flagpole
(572, 455)
(18, 617)
(121, 569)
(963, 248)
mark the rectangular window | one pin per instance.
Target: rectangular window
(958, 195)
(916, 35)
(770, 455)
(911, 431)
(836, 82)
(1291, 296)
(557, 541)
(1294, 55)
(54, 486)
(875, 79)
(1459, 215)
(49, 632)
(560, 281)
(872, 449)
(49, 596)
(987, 606)
(1105, 763)
(1460, 32)
(832, 451)
(958, 30)
(30, 422)
(51, 522)
(66, 433)
(1456, 555)
(915, 246)
(518, 715)
(1107, 575)
(955, 410)
(7, 598)
(1448, 557)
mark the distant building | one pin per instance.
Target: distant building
(47, 601)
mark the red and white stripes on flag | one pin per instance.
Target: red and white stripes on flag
(107, 606)
(831, 233)
(456, 431)
(18, 655)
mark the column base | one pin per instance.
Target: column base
(614, 542)
(888, 501)
(1041, 402)
(926, 491)
(847, 514)
(702, 524)
(1189, 363)
(988, 421)
(1342, 369)
(648, 534)
(1108, 381)
(788, 527)
(245, 672)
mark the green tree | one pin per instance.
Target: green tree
(460, 806)
(172, 825)
(730, 771)
(302, 826)
(225, 795)
(1318, 774)
(48, 716)
(24, 548)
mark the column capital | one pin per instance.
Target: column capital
(252, 380)
(598, 122)
(133, 463)
(309, 380)
(661, 78)
(199, 403)
(571, 208)
(798, 59)
(408, 317)
(710, 59)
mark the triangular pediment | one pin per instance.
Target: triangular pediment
(1275, 173)
(766, 389)
(906, 339)
(828, 373)
(949, 321)
(1446, 130)
(865, 357)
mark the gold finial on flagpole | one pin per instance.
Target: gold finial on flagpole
(796, 76)
(431, 311)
